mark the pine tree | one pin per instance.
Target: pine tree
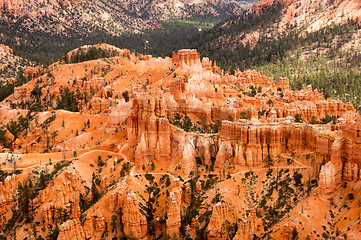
(268, 161)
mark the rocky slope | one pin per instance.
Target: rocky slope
(309, 16)
(270, 20)
(316, 14)
(111, 17)
(10, 64)
(106, 144)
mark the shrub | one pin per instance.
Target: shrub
(326, 119)
(350, 196)
(126, 96)
(313, 120)
(294, 234)
(101, 163)
(298, 118)
(244, 115)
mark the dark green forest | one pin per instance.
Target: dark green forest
(45, 48)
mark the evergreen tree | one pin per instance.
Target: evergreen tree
(268, 161)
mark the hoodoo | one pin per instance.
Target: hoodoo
(129, 146)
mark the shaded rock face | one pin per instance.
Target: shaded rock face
(247, 227)
(350, 171)
(249, 144)
(134, 222)
(149, 129)
(352, 129)
(61, 202)
(216, 228)
(57, 213)
(173, 215)
(330, 178)
(174, 202)
(71, 229)
(155, 139)
(258, 140)
(6, 193)
(333, 172)
(94, 226)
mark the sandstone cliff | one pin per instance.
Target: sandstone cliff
(71, 229)
(217, 227)
(94, 226)
(61, 202)
(135, 224)
(247, 227)
(174, 202)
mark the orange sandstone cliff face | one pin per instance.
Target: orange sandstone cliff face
(217, 228)
(175, 147)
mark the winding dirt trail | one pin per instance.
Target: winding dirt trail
(155, 173)
(73, 158)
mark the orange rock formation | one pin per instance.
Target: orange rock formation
(139, 168)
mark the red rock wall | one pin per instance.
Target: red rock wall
(186, 56)
(149, 129)
(71, 229)
(263, 139)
